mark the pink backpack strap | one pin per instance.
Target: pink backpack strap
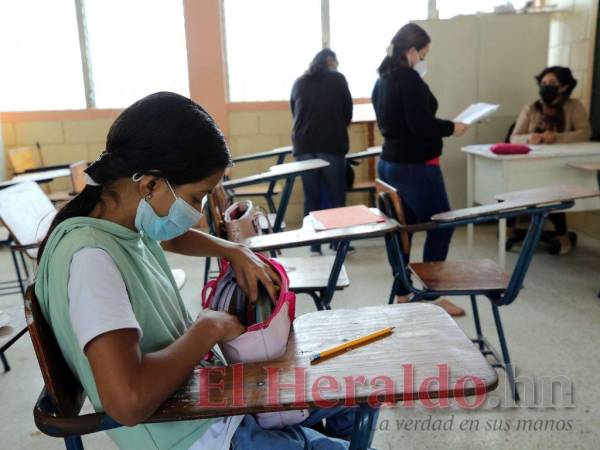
(211, 284)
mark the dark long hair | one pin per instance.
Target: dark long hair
(563, 75)
(164, 134)
(409, 36)
(319, 65)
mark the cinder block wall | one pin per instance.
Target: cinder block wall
(61, 141)
(66, 141)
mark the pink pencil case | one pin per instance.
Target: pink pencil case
(504, 148)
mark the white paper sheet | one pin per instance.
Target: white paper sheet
(476, 112)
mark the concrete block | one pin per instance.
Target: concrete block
(94, 150)
(8, 135)
(275, 122)
(579, 55)
(244, 145)
(64, 153)
(243, 123)
(44, 132)
(84, 131)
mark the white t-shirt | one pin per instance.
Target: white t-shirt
(99, 303)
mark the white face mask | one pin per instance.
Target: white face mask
(421, 67)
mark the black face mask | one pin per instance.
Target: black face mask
(548, 93)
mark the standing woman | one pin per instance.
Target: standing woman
(410, 161)
(322, 110)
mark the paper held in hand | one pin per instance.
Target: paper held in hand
(476, 112)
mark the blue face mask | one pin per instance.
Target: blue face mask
(182, 216)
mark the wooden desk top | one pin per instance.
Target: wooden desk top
(364, 113)
(540, 151)
(368, 153)
(589, 166)
(277, 172)
(17, 327)
(520, 200)
(307, 235)
(424, 337)
(548, 194)
(265, 154)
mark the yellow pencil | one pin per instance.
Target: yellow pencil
(350, 345)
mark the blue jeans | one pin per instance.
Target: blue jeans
(339, 424)
(331, 179)
(423, 194)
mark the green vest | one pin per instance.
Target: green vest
(156, 304)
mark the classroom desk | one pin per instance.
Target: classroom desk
(39, 176)
(307, 235)
(489, 174)
(10, 333)
(280, 152)
(368, 153)
(287, 171)
(426, 343)
(424, 337)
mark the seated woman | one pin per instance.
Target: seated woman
(554, 118)
(106, 289)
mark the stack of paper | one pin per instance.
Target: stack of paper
(476, 112)
(347, 216)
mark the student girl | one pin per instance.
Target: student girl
(106, 289)
(410, 161)
(321, 107)
(554, 118)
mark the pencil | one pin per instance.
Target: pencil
(346, 346)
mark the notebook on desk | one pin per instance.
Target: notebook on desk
(347, 216)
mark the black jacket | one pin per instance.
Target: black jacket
(322, 110)
(405, 110)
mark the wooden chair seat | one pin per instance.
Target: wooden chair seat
(311, 273)
(474, 275)
(256, 190)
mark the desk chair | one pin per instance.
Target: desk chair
(464, 278)
(77, 182)
(548, 237)
(23, 160)
(265, 190)
(27, 214)
(425, 336)
(308, 275)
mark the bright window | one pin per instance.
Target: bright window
(269, 43)
(41, 62)
(450, 8)
(360, 33)
(137, 47)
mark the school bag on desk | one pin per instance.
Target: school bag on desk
(268, 327)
